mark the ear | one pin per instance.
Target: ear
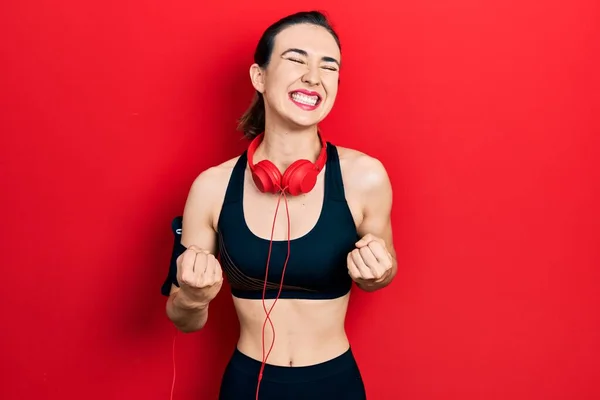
(257, 76)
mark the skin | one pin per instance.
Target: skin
(308, 331)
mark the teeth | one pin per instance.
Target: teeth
(304, 99)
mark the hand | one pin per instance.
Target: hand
(199, 275)
(370, 262)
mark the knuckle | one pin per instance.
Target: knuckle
(183, 261)
(374, 244)
(187, 279)
(200, 259)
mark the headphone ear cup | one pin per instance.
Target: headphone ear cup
(300, 177)
(267, 177)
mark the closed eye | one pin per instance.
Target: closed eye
(296, 60)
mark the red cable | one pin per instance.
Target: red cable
(268, 313)
(173, 384)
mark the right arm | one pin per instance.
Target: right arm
(187, 310)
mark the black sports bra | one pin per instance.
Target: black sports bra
(316, 267)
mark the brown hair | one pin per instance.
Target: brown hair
(252, 122)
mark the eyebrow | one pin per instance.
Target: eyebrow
(305, 54)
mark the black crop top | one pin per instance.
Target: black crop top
(316, 267)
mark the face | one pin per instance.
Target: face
(300, 83)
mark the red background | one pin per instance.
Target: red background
(485, 114)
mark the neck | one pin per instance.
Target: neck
(283, 147)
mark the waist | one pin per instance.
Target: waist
(331, 366)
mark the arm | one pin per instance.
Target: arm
(187, 314)
(376, 196)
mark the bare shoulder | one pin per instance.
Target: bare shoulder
(208, 189)
(362, 173)
(214, 178)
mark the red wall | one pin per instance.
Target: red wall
(485, 113)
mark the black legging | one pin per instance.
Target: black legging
(336, 379)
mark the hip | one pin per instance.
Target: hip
(335, 378)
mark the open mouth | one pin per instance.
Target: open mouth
(305, 99)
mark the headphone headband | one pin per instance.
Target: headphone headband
(319, 164)
(300, 177)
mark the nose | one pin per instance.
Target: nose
(311, 77)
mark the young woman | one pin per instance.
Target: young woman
(295, 233)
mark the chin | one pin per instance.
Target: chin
(305, 119)
(304, 123)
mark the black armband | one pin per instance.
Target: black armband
(178, 249)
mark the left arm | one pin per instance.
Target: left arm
(373, 264)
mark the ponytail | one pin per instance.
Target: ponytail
(252, 122)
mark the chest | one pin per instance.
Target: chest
(283, 217)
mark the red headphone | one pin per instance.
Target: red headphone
(300, 177)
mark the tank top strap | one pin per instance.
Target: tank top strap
(235, 187)
(334, 185)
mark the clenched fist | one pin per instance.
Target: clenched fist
(370, 262)
(199, 275)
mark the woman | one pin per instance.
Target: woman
(332, 228)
